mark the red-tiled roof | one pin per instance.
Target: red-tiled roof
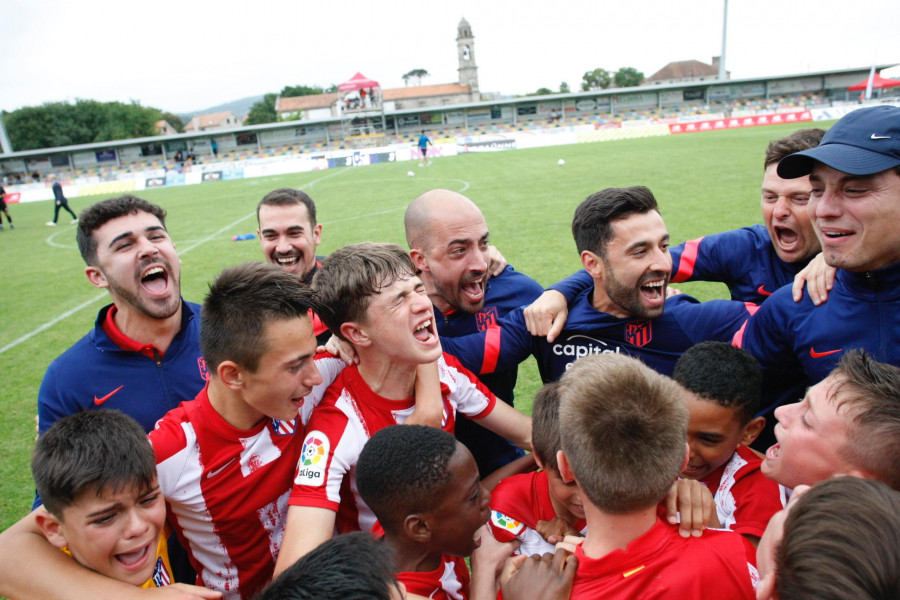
(684, 69)
(305, 102)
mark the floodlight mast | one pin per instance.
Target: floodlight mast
(724, 41)
(5, 146)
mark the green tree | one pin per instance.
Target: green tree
(564, 88)
(628, 77)
(263, 111)
(596, 80)
(543, 92)
(291, 91)
(417, 74)
(55, 124)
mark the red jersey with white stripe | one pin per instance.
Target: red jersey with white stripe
(227, 488)
(662, 564)
(349, 414)
(450, 581)
(745, 498)
(517, 504)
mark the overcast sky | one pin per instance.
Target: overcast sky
(188, 55)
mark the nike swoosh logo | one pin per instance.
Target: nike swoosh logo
(879, 137)
(762, 290)
(99, 401)
(212, 474)
(814, 354)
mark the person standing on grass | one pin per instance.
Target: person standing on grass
(4, 209)
(60, 201)
(423, 148)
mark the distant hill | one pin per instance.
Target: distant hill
(239, 107)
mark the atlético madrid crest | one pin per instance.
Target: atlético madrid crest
(486, 317)
(639, 333)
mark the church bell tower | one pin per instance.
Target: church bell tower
(465, 47)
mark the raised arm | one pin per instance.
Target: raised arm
(547, 315)
(507, 422)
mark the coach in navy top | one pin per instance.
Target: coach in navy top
(752, 261)
(143, 355)
(755, 261)
(623, 243)
(449, 240)
(855, 209)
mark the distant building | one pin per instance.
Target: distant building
(163, 127)
(323, 106)
(212, 121)
(686, 71)
(318, 106)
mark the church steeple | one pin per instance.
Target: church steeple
(465, 47)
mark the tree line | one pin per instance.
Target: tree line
(55, 124)
(599, 79)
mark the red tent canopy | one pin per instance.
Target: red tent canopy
(878, 82)
(360, 81)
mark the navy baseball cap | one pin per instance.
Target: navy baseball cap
(864, 142)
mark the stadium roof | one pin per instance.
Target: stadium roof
(421, 91)
(325, 100)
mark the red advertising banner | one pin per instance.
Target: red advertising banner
(12, 198)
(737, 122)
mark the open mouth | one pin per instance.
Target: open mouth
(134, 558)
(773, 452)
(833, 234)
(654, 291)
(287, 261)
(425, 332)
(155, 280)
(474, 289)
(577, 510)
(692, 471)
(787, 238)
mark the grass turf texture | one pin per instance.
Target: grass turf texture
(705, 183)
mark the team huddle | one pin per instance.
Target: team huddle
(344, 426)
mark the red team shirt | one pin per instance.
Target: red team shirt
(227, 488)
(517, 504)
(349, 414)
(450, 581)
(745, 498)
(662, 564)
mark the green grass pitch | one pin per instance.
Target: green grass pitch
(705, 182)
